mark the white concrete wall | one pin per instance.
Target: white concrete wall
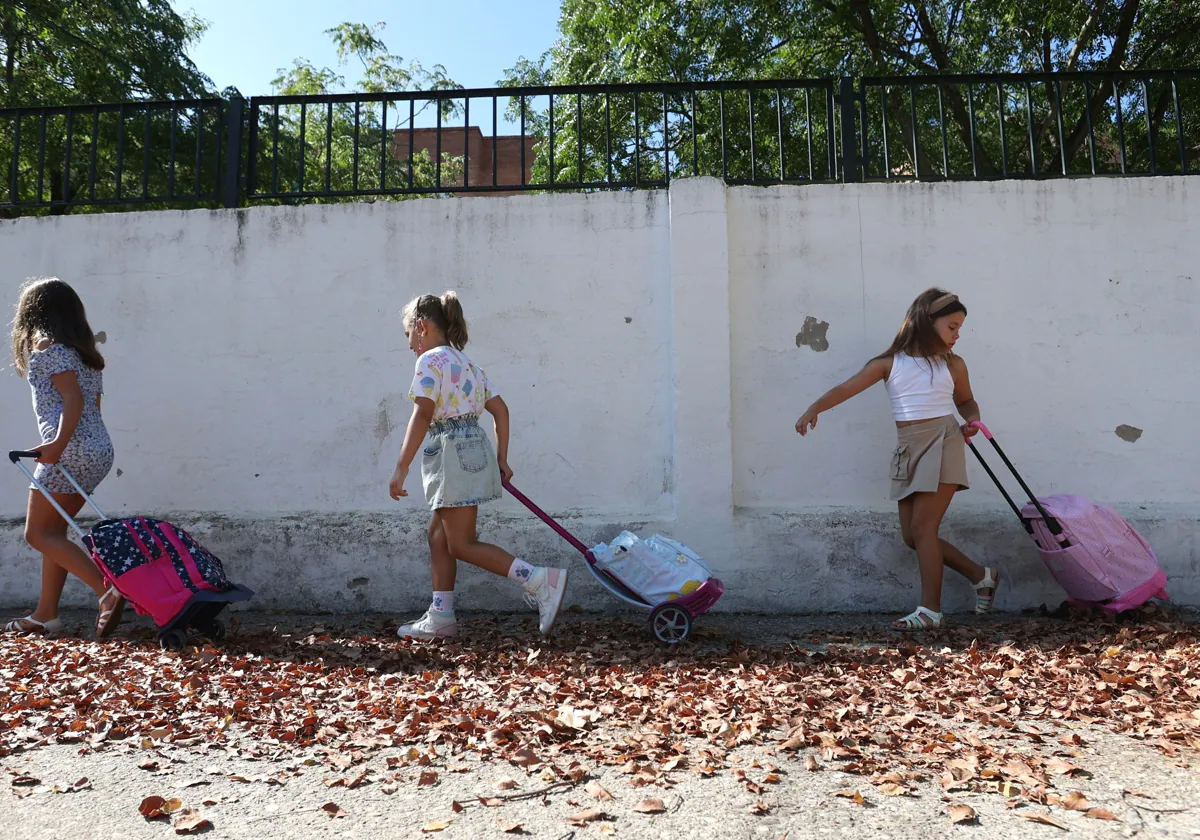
(648, 346)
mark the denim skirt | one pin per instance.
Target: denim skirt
(458, 464)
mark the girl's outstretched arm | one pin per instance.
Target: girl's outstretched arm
(418, 426)
(964, 398)
(875, 370)
(499, 411)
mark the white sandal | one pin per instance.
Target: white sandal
(922, 618)
(991, 580)
(40, 628)
(108, 619)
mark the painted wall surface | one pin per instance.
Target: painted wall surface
(655, 349)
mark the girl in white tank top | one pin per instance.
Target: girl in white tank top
(926, 383)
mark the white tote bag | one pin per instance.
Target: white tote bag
(658, 569)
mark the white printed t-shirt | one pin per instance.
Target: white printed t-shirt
(455, 384)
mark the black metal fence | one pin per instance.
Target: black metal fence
(279, 149)
(130, 153)
(1029, 125)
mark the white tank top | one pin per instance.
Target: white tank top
(915, 394)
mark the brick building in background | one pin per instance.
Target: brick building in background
(479, 171)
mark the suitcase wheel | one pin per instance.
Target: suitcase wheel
(215, 630)
(670, 624)
(173, 640)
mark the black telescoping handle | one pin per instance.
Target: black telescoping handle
(15, 455)
(1051, 522)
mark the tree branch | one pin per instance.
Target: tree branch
(12, 45)
(958, 108)
(1116, 58)
(956, 16)
(1085, 36)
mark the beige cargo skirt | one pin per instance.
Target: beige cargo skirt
(927, 454)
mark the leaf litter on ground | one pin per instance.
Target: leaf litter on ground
(865, 703)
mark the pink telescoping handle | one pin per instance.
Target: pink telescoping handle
(978, 424)
(548, 519)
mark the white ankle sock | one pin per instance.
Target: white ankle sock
(520, 571)
(443, 602)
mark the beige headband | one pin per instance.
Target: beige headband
(941, 303)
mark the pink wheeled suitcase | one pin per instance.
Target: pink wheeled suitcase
(1098, 558)
(159, 568)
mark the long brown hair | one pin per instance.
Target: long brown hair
(49, 308)
(445, 313)
(916, 336)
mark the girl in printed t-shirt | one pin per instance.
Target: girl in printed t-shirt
(927, 382)
(459, 469)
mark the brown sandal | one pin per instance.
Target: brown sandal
(108, 619)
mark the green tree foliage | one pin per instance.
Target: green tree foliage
(358, 144)
(59, 52)
(1016, 128)
(74, 52)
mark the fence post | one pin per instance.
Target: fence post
(234, 115)
(847, 104)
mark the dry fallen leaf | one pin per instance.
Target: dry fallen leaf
(436, 825)
(511, 828)
(1045, 819)
(333, 810)
(1075, 801)
(598, 791)
(962, 813)
(427, 778)
(650, 806)
(892, 789)
(507, 784)
(152, 807)
(1062, 767)
(525, 758)
(587, 816)
(1100, 814)
(850, 794)
(190, 821)
(759, 808)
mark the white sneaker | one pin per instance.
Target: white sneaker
(545, 591)
(432, 625)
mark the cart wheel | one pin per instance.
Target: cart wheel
(173, 640)
(214, 630)
(671, 624)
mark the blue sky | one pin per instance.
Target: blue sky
(248, 41)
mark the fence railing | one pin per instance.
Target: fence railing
(1029, 125)
(284, 149)
(572, 137)
(127, 153)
